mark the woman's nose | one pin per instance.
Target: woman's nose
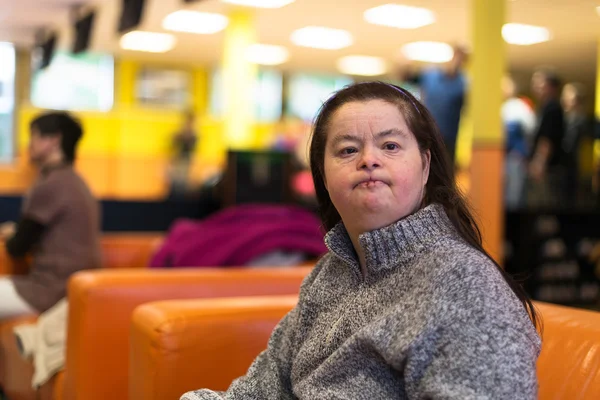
(369, 160)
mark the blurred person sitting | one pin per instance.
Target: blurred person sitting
(183, 145)
(576, 128)
(60, 221)
(443, 89)
(546, 184)
(518, 118)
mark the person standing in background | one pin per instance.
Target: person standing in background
(576, 128)
(545, 170)
(59, 225)
(519, 125)
(183, 145)
(443, 90)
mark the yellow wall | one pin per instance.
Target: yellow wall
(125, 152)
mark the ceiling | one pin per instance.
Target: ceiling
(573, 23)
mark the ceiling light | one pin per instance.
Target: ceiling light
(435, 52)
(195, 22)
(265, 54)
(260, 3)
(362, 65)
(598, 10)
(151, 42)
(524, 35)
(322, 38)
(398, 16)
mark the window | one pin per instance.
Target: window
(164, 87)
(7, 101)
(307, 92)
(267, 95)
(75, 82)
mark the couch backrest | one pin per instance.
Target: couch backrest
(129, 250)
(101, 304)
(569, 364)
(182, 345)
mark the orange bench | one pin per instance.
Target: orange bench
(129, 250)
(8, 266)
(176, 343)
(569, 365)
(211, 342)
(119, 250)
(101, 304)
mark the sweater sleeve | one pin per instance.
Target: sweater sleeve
(473, 362)
(269, 376)
(480, 344)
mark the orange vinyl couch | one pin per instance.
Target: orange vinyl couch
(184, 345)
(210, 343)
(101, 304)
(119, 250)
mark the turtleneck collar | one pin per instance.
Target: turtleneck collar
(392, 245)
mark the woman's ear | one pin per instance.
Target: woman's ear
(426, 163)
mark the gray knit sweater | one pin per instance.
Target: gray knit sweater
(432, 319)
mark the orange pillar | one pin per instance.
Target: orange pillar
(488, 63)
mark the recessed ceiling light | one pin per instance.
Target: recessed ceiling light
(195, 22)
(265, 54)
(434, 52)
(362, 65)
(598, 10)
(525, 35)
(319, 37)
(151, 42)
(260, 3)
(399, 16)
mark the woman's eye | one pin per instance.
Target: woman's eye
(347, 151)
(391, 146)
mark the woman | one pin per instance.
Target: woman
(406, 304)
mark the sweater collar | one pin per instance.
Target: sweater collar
(394, 244)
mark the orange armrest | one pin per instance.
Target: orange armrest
(181, 345)
(101, 303)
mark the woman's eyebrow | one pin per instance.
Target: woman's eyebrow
(343, 138)
(391, 132)
(356, 139)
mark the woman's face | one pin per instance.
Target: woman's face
(374, 170)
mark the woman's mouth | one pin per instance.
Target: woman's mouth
(370, 184)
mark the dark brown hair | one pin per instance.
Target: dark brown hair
(60, 124)
(441, 187)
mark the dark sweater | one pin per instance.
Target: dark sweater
(432, 319)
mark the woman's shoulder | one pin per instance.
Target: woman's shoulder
(452, 255)
(468, 285)
(461, 267)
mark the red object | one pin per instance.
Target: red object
(303, 184)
